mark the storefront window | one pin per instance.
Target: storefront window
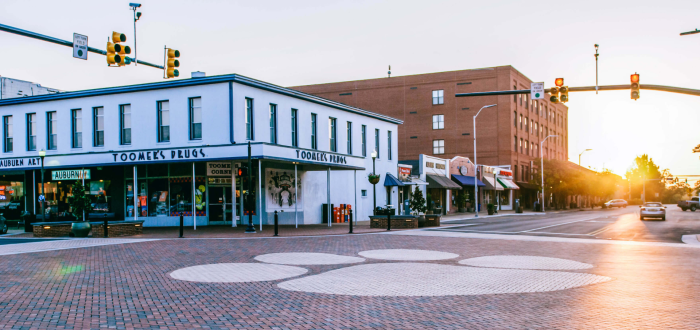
(181, 196)
(11, 199)
(166, 190)
(158, 197)
(99, 191)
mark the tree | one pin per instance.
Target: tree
(418, 204)
(79, 202)
(644, 169)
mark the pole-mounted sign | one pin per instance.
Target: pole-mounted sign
(80, 46)
(537, 91)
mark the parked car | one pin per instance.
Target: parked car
(692, 205)
(3, 225)
(652, 210)
(616, 203)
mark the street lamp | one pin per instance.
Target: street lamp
(579, 156)
(542, 167)
(42, 198)
(476, 187)
(374, 185)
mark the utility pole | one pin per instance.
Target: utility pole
(596, 68)
(137, 16)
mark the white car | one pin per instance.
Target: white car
(652, 210)
(616, 203)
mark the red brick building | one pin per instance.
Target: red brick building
(440, 124)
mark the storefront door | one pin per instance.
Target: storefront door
(219, 205)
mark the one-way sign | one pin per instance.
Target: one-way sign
(80, 46)
(537, 91)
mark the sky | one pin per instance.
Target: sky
(301, 42)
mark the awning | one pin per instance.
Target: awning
(491, 184)
(414, 181)
(527, 185)
(466, 180)
(508, 184)
(441, 182)
(390, 181)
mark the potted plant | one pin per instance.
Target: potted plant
(418, 205)
(373, 178)
(461, 202)
(79, 205)
(490, 208)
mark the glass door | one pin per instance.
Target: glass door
(217, 205)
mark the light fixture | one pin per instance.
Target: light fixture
(374, 154)
(42, 153)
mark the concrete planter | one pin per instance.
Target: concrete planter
(80, 229)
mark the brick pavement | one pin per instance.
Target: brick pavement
(127, 286)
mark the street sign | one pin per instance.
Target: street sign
(537, 91)
(80, 46)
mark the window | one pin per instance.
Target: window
(314, 139)
(389, 145)
(249, 119)
(532, 149)
(438, 147)
(532, 125)
(51, 121)
(364, 141)
(521, 121)
(196, 118)
(515, 143)
(273, 123)
(77, 127)
(98, 124)
(438, 97)
(376, 141)
(526, 124)
(332, 134)
(527, 151)
(537, 132)
(438, 121)
(364, 193)
(515, 119)
(515, 96)
(31, 132)
(521, 145)
(163, 121)
(295, 128)
(125, 123)
(349, 136)
(536, 152)
(7, 133)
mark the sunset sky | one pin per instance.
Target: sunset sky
(308, 42)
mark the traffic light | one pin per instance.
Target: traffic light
(242, 171)
(559, 82)
(172, 64)
(564, 97)
(554, 92)
(634, 79)
(116, 52)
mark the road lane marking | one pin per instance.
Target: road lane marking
(559, 224)
(599, 231)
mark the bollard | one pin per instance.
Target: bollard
(350, 220)
(182, 224)
(275, 223)
(388, 221)
(105, 227)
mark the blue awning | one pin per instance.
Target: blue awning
(466, 180)
(390, 181)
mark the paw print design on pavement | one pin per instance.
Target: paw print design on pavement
(408, 277)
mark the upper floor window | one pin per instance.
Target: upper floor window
(532, 125)
(515, 119)
(125, 124)
(526, 124)
(295, 128)
(527, 151)
(364, 140)
(438, 97)
(31, 131)
(438, 147)
(196, 118)
(521, 145)
(376, 141)
(521, 121)
(333, 134)
(349, 136)
(249, 119)
(438, 121)
(51, 133)
(314, 128)
(7, 133)
(515, 96)
(77, 127)
(515, 143)
(163, 121)
(389, 144)
(98, 124)
(273, 123)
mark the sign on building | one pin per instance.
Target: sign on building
(219, 169)
(537, 91)
(80, 46)
(70, 175)
(405, 173)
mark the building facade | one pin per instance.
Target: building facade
(11, 88)
(156, 151)
(438, 123)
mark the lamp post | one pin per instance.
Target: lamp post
(476, 187)
(542, 167)
(374, 185)
(42, 198)
(579, 156)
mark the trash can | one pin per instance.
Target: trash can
(28, 219)
(407, 207)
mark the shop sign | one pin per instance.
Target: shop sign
(70, 175)
(159, 155)
(439, 166)
(405, 172)
(321, 157)
(219, 169)
(19, 162)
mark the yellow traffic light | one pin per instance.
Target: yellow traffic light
(564, 97)
(554, 92)
(112, 56)
(559, 82)
(172, 64)
(634, 79)
(116, 53)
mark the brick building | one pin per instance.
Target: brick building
(438, 123)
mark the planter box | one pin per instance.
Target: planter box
(397, 222)
(432, 220)
(116, 228)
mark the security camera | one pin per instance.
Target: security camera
(136, 5)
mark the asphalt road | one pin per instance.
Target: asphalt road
(615, 224)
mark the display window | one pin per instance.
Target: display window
(11, 199)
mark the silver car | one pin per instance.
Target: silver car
(652, 210)
(616, 203)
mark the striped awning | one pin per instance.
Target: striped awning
(507, 184)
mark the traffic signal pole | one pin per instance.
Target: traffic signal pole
(62, 42)
(660, 88)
